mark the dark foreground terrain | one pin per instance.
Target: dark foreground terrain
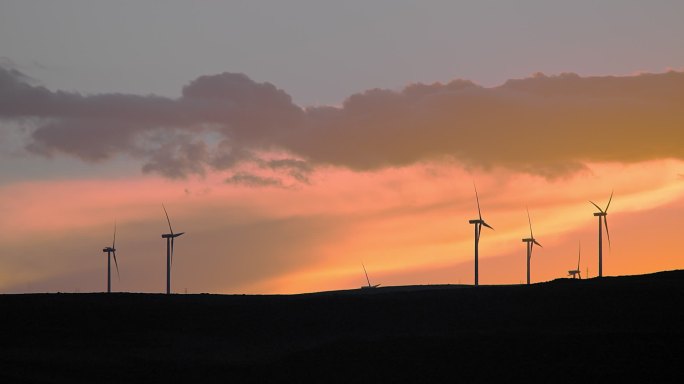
(624, 328)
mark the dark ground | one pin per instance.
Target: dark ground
(623, 328)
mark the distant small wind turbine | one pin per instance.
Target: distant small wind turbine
(111, 251)
(577, 273)
(169, 250)
(602, 213)
(478, 226)
(368, 280)
(530, 243)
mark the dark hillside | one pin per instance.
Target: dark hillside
(563, 331)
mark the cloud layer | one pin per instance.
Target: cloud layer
(544, 125)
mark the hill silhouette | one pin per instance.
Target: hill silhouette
(614, 328)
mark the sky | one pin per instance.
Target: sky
(294, 141)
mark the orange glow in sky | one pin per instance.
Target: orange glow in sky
(292, 143)
(408, 225)
(279, 198)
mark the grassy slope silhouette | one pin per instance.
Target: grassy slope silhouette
(626, 327)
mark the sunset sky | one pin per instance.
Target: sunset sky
(293, 141)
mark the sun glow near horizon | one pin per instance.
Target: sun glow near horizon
(314, 238)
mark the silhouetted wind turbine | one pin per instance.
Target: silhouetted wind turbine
(169, 250)
(602, 213)
(478, 226)
(577, 272)
(530, 243)
(367, 279)
(111, 251)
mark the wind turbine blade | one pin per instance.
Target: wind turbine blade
(479, 213)
(487, 225)
(609, 200)
(364, 271)
(117, 266)
(114, 241)
(536, 242)
(605, 222)
(579, 254)
(167, 219)
(597, 207)
(529, 221)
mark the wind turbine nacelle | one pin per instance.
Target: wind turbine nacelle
(474, 221)
(108, 249)
(600, 213)
(528, 240)
(171, 235)
(370, 286)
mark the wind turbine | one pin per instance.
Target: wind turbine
(530, 243)
(575, 273)
(368, 280)
(478, 226)
(169, 250)
(602, 213)
(111, 251)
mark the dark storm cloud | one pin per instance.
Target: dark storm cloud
(542, 125)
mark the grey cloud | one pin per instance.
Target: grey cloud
(20, 99)
(228, 156)
(155, 129)
(249, 112)
(544, 125)
(297, 169)
(178, 158)
(252, 180)
(86, 138)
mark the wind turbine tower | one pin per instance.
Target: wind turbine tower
(530, 243)
(478, 223)
(169, 250)
(602, 219)
(577, 273)
(111, 251)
